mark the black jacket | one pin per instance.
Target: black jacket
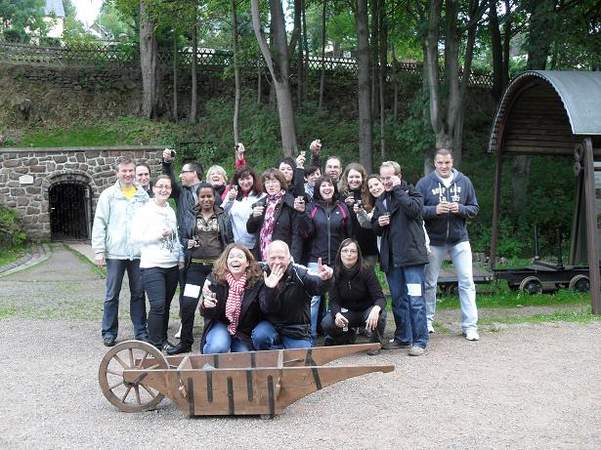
(356, 290)
(226, 235)
(447, 228)
(286, 226)
(325, 230)
(185, 199)
(403, 241)
(250, 313)
(288, 306)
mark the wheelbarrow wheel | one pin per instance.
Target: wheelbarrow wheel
(127, 396)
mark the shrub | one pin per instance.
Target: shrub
(11, 233)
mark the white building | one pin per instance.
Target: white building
(55, 18)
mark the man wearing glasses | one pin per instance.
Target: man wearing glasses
(186, 197)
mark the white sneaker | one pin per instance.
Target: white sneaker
(179, 332)
(472, 335)
(430, 328)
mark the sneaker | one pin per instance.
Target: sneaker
(393, 344)
(430, 328)
(472, 335)
(416, 351)
(179, 332)
(108, 341)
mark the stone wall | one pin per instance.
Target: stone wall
(26, 176)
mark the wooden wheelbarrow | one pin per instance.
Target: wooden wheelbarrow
(135, 376)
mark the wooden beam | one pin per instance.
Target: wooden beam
(496, 209)
(591, 225)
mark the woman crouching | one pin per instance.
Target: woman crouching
(230, 301)
(356, 298)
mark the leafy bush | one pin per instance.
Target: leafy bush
(11, 233)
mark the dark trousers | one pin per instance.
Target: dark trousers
(160, 285)
(355, 319)
(115, 270)
(196, 274)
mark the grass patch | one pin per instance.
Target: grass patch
(503, 297)
(10, 255)
(125, 130)
(583, 316)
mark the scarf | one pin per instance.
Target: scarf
(233, 304)
(269, 221)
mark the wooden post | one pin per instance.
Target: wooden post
(591, 226)
(496, 208)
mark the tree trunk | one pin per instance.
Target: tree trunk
(305, 52)
(148, 65)
(259, 84)
(457, 126)
(322, 78)
(194, 90)
(431, 71)
(506, 43)
(383, 63)
(175, 106)
(365, 120)
(236, 73)
(374, 47)
(496, 50)
(278, 68)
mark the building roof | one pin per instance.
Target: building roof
(54, 6)
(542, 111)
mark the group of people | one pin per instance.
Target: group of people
(259, 255)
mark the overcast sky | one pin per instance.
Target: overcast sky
(87, 10)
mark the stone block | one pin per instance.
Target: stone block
(32, 190)
(59, 158)
(80, 157)
(22, 201)
(32, 210)
(37, 169)
(17, 191)
(83, 167)
(21, 170)
(32, 162)
(12, 163)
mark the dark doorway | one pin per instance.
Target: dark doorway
(69, 211)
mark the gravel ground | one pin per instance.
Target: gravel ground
(528, 386)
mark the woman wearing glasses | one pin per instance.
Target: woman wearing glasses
(160, 255)
(356, 298)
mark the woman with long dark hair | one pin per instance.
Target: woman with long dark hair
(274, 217)
(354, 191)
(230, 301)
(325, 223)
(246, 189)
(356, 298)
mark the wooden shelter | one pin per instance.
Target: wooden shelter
(555, 113)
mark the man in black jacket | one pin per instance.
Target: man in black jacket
(286, 301)
(186, 198)
(397, 218)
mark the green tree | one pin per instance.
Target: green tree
(19, 19)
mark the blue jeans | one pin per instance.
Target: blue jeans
(266, 337)
(219, 340)
(115, 269)
(408, 306)
(461, 255)
(315, 304)
(160, 285)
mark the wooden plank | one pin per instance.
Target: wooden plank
(591, 226)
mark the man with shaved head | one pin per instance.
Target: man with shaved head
(286, 300)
